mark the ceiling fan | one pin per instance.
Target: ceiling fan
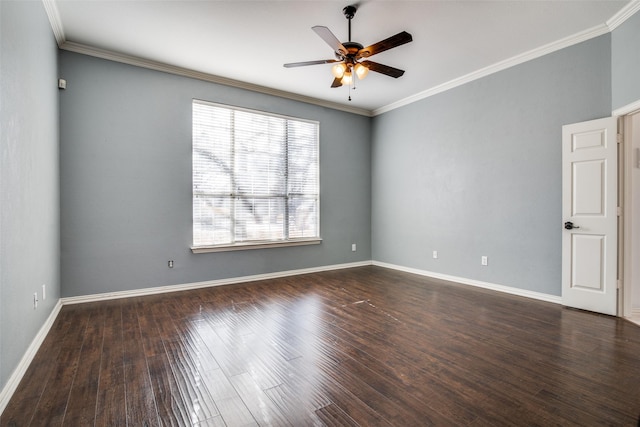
(349, 55)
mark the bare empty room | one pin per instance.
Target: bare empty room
(381, 213)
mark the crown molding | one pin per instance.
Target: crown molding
(623, 14)
(54, 20)
(185, 72)
(614, 22)
(632, 108)
(58, 31)
(611, 24)
(499, 66)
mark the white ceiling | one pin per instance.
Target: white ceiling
(249, 41)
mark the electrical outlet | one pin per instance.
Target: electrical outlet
(353, 247)
(170, 264)
(44, 292)
(435, 254)
(484, 260)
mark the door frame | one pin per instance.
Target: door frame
(625, 196)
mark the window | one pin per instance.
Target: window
(255, 178)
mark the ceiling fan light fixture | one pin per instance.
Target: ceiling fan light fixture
(361, 70)
(349, 54)
(338, 70)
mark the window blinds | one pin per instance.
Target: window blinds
(255, 176)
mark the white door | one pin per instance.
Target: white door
(589, 212)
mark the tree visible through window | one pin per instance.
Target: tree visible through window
(255, 177)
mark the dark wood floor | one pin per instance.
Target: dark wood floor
(366, 346)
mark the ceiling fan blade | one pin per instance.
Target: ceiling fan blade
(386, 44)
(383, 69)
(302, 64)
(336, 82)
(326, 35)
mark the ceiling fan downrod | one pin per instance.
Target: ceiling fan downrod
(349, 13)
(349, 59)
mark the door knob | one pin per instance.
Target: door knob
(569, 225)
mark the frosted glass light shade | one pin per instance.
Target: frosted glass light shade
(338, 70)
(347, 78)
(361, 71)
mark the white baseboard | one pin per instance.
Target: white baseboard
(206, 284)
(243, 279)
(634, 317)
(18, 372)
(486, 285)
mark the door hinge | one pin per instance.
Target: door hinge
(619, 211)
(619, 138)
(619, 282)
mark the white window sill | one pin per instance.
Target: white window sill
(253, 245)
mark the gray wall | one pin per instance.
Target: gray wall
(625, 62)
(477, 170)
(126, 181)
(29, 190)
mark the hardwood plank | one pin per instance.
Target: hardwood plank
(332, 415)
(21, 407)
(193, 391)
(195, 345)
(264, 411)
(218, 385)
(234, 412)
(81, 408)
(226, 352)
(52, 406)
(141, 407)
(354, 407)
(216, 421)
(172, 409)
(300, 412)
(147, 313)
(110, 405)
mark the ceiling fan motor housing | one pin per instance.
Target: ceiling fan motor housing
(351, 56)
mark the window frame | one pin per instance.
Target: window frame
(256, 244)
